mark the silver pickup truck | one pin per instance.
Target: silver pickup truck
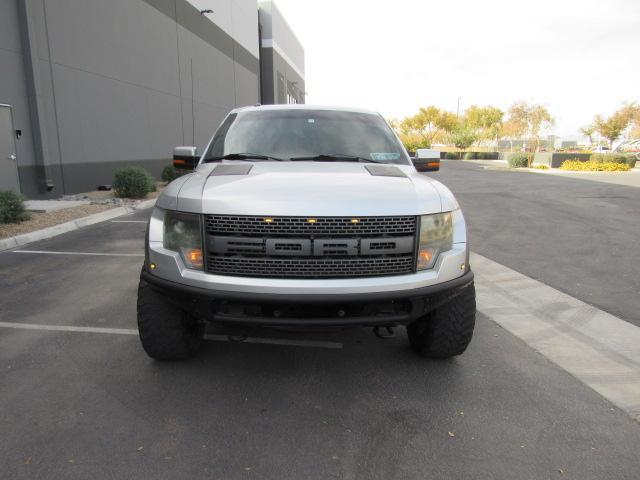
(303, 216)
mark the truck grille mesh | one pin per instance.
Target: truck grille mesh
(311, 268)
(241, 258)
(369, 226)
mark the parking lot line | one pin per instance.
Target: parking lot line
(595, 347)
(133, 331)
(68, 328)
(97, 254)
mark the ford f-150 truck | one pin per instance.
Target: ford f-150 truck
(304, 216)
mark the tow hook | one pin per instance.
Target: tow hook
(385, 333)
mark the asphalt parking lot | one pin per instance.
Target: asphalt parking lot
(579, 236)
(79, 398)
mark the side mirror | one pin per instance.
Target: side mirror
(185, 158)
(427, 160)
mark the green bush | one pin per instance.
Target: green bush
(12, 207)
(133, 182)
(169, 173)
(519, 160)
(481, 156)
(452, 156)
(629, 160)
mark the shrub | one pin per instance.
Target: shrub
(469, 156)
(594, 166)
(169, 173)
(133, 182)
(12, 207)
(541, 167)
(629, 160)
(519, 160)
(452, 156)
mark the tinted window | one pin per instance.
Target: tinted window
(301, 133)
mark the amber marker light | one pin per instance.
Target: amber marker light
(153, 266)
(425, 256)
(194, 255)
(268, 220)
(311, 220)
(355, 220)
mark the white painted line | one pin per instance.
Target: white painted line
(131, 331)
(595, 347)
(279, 341)
(96, 254)
(69, 328)
(129, 221)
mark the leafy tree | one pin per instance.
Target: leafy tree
(486, 122)
(612, 127)
(588, 131)
(527, 120)
(428, 124)
(463, 137)
(631, 112)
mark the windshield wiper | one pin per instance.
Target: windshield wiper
(332, 157)
(243, 156)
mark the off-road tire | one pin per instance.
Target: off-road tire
(447, 330)
(166, 332)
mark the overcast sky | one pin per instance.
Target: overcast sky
(577, 57)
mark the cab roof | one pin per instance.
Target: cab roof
(302, 106)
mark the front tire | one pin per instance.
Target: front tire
(166, 332)
(447, 330)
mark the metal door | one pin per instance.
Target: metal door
(8, 164)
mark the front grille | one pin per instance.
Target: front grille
(369, 226)
(311, 268)
(294, 247)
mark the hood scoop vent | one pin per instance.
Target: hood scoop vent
(231, 170)
(384, 171)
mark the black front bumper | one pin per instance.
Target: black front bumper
(255, 309)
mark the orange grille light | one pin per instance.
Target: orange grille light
(312, 220)
(195, 256)
(268, 220)
(425, 256)
(179, 162)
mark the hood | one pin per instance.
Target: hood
(304, 189)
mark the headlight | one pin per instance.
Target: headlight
(436, 236)
(183, 234)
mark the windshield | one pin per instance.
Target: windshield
(289, 134)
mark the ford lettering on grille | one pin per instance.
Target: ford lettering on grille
(291, 247)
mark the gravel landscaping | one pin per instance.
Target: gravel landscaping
(44, 220)
(100, 201)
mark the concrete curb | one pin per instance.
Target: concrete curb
(55, 230)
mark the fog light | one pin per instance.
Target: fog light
(153, 266)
